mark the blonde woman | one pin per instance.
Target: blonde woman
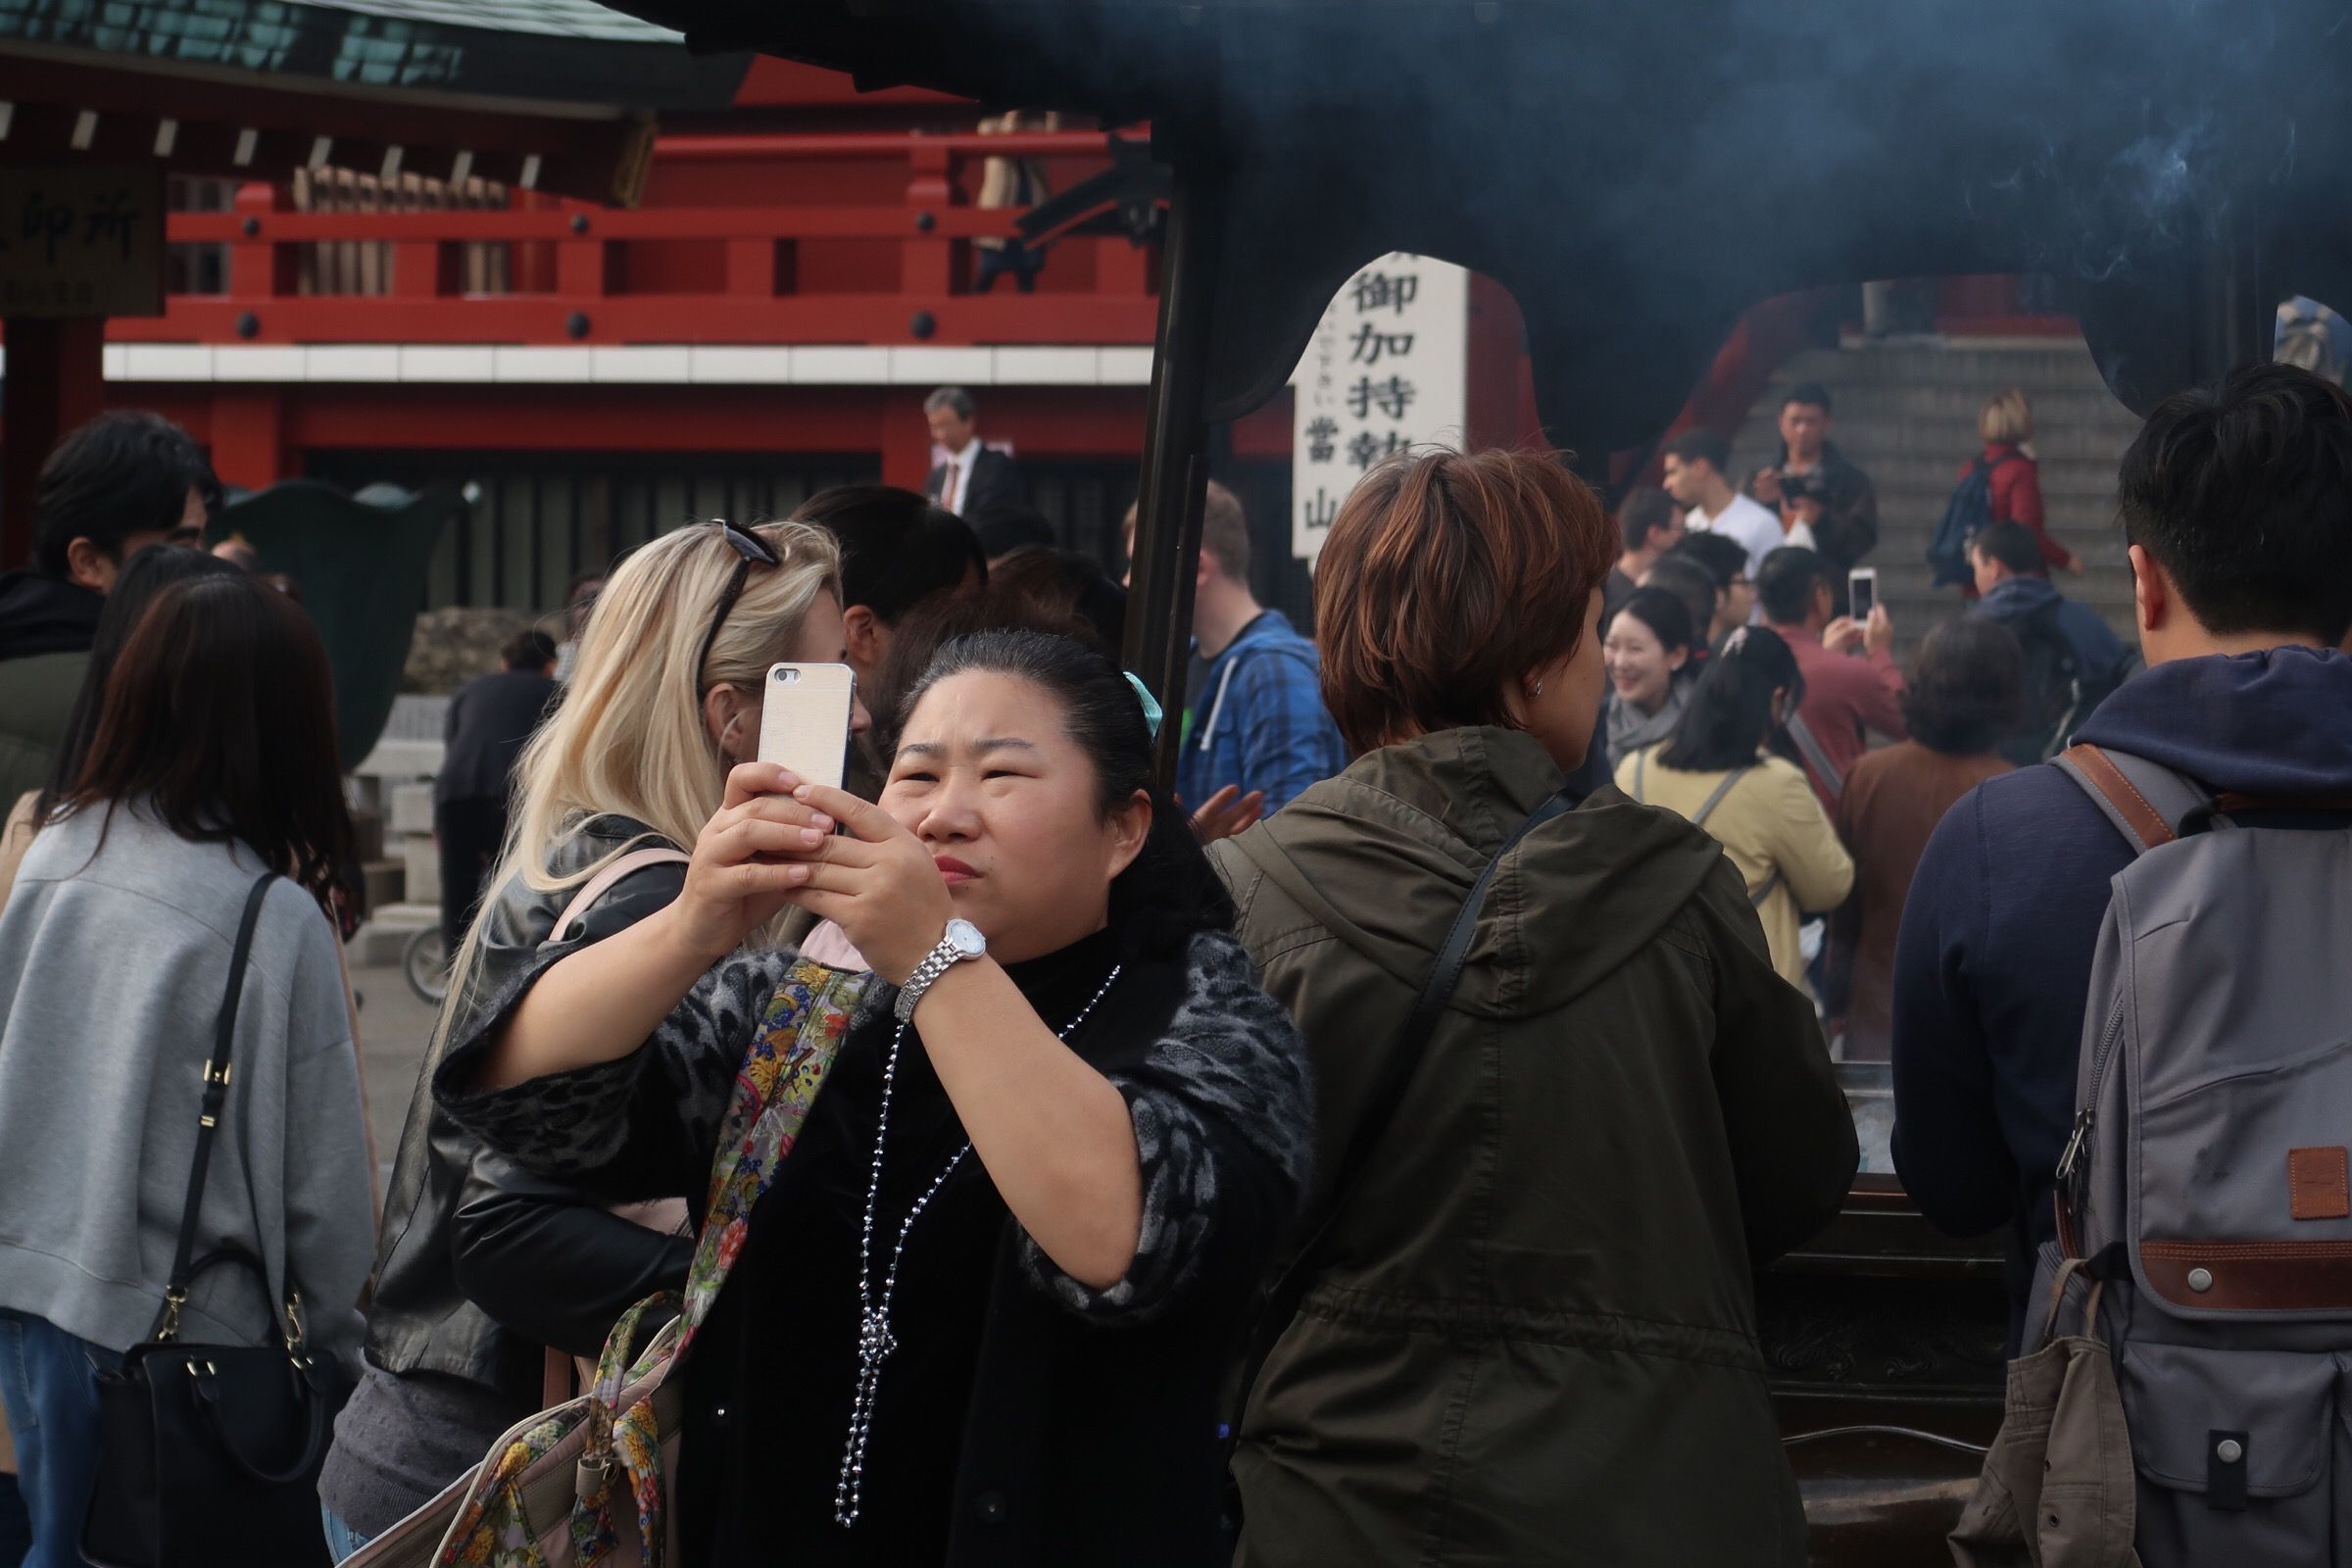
(664, 698)
(2005, 424)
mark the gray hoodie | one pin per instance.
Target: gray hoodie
(112, 961)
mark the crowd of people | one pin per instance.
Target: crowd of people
(1363, 1151)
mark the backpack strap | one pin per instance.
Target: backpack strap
(1816, 758)
(2148, 803)
(1707, 809)
(614, 870)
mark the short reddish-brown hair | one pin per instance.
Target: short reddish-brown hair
(1446, 575)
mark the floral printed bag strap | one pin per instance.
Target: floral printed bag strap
(503, 1517)
(800, 1035)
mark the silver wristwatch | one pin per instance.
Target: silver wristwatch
(962, 943)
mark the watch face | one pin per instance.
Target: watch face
(966, 939)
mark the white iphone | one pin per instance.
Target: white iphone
(1862, 591)
(805, 720)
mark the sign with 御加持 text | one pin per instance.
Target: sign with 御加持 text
(81, 240)
(1386, 370)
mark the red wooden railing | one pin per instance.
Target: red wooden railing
(741, 271)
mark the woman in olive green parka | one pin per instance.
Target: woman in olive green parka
(1528, 1332)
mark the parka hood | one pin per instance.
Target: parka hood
(1400, 839)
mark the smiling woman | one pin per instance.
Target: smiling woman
(1648, 658)
(1064, 1103)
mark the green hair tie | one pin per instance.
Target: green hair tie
(1142, 695)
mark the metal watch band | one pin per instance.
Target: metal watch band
(936, 962)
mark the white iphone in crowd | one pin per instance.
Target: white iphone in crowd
(1862, 591)
(805, 720)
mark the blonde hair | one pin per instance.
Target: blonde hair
(2007, 416)
(629, 739)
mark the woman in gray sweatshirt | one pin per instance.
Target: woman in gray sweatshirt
(212, 765)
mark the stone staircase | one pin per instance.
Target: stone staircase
(1906, 412)
(393, 789)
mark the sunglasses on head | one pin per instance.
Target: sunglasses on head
(754, 551)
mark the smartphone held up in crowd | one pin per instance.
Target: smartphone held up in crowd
(805, 720)
(1862, 592)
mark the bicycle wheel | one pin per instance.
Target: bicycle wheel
(426, 965)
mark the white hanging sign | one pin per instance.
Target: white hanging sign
(1386, 369)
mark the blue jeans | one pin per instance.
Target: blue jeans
(16, 1525)
(342, 1540)
(49, 1383)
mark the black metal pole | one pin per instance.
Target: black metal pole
(2236, 313)
(1175, 474)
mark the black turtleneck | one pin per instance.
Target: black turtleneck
(773, 1376)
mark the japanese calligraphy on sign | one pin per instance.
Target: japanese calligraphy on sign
(81, 240)
(1384, 371)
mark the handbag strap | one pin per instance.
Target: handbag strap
(1817, 759)
(207, 1121)
(1445, 973)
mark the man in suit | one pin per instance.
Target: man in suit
(974, 481)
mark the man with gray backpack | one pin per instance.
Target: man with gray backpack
(2123, 1009)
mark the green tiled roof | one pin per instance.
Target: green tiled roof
(573, 19)
(571, 50)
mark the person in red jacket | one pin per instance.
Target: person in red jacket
(2005, 424)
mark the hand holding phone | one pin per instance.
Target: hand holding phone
(805, 720)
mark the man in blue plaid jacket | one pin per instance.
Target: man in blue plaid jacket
(1257, 733)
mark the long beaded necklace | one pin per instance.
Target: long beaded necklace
(875, 1339)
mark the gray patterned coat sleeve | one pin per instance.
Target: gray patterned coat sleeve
(641, 1125)
(1223, 1110)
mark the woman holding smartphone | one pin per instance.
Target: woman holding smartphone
(1064, 1107)
(483, 1266)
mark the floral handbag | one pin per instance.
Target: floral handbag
(588, 1483)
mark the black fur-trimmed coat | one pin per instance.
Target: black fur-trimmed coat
(1090, 1434)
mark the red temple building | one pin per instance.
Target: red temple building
(608, 328)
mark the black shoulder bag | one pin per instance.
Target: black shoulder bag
(1282, 1300)
(209, 1454)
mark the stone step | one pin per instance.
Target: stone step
(1948, 442)
(384, 938)
(387, 882)
(2053, 364)
(1907, 412)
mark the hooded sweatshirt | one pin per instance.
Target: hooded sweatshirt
(46, 627)
(1530, 1321)
(1993, 963)
(2097, 649)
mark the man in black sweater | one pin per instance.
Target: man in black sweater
(491, 718)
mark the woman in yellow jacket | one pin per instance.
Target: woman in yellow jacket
(1718, 770)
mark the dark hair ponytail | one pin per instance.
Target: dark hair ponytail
(1169, 891)
(1730, 714)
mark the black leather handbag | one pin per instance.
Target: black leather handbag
(209, 1454)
